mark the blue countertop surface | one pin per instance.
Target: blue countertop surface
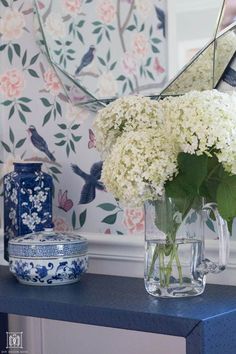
(118, 302)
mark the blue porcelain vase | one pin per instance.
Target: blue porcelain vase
(27, 201)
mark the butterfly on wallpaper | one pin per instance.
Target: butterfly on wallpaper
(230, 77)
(88, 192)
(64, 202)
(92, 140)
(157, 66)
(162, 18)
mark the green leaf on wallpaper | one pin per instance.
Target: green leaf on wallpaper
(24, 58)
(107, 35)
(150, 31)
(96, 23)
(61, 143)
(110, 219)
(20, 143)
(155, 49)
(24, 99)
(32, 73)
(121, 78)
(80, 23)
(97, 30)
(75, 126)
(10, 54)
(107, 206)
(55, 177)
(79, 35)
(55, 170)
(102, 61)
(62, 126)
(58, 106)
(76, 138)
(82, 218)
(6, 147)
(58, 42)
(71, 27)
(99, 38)
(119, 233)
(68, 43)
(12, 111)
(113, 65)
(124, 87)
(17, 49)
(34, 59)
(142, 28)
(108, 55)
(210, 224)
(135, 19)
(45, 102)
(58, 52)
(22, 117)
(150, 75)
(73, 219)
(24, 108)
(5, 3)
(131, 85)
(11, 136)
(111, 28)
(2, 47)
(47, 117)
(72, 145)
(67, 150)
(156, 40)
(54, 113)
(59, 135)
(131, 28)
(6, 103)
(148, 62)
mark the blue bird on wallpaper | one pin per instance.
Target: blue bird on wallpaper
(39, 142)
(162, 18)
(92, 182)
(230, 76)
(86, 60)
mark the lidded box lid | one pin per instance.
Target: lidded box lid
(48, 244)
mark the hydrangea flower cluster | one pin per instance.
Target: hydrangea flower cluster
(141, 139)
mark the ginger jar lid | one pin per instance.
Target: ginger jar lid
(48, 244)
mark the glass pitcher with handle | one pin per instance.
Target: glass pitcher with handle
(175, 258)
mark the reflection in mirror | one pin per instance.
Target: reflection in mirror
(228, 15)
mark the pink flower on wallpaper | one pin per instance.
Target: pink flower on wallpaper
(60, 225)
(72, 6)
(140, 45)
(12, 24)
(157, 67)
(12, 83)
(52, 82)
(106, 11)
(134, 220)
(129, 64)
(55, 26)
(144, 7)
(107, 85)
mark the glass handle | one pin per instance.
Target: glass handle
(223, 235)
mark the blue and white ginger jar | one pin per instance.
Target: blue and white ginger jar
(27, 201)
(48, 258)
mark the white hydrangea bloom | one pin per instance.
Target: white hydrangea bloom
(139, 165)
(125, 114)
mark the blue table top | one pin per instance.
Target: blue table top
(113, 301)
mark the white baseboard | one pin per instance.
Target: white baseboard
(124, 255)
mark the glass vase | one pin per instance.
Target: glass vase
(175, 262)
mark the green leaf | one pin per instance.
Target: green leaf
(6, 103)
(5, 3)
(32, 73)
(148, 62)
(110, 219)
(6, 147)
(24, 58)
(107, 206)
(34, 58)
(24, 99)
(10, 54)
(67, 150)
(81, 23)
(76, 138)
(61, 143)
(22, 117)
(121, 78)
(155, 49)
(113, 65)
(47, 117)
(131, 28)
(24, 108)
(2, 47)
(102, 61)
(73, 219)
(108, 55)
(226, 197)
(58, 106)
(45, 102)
(82, 218)
(75, 126)
(156, 40)
(11, 136)
(210, 224)
(150, 75)
(72, 145)
(142, 27)
(60, 135)
(99, 38)
(97, 30)
(96, 23)
(20, 143)
(12, 111)
(62, 126)
(17, 49)
(55, 170)
(79, 35)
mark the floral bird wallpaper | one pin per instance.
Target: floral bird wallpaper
(32, 100)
